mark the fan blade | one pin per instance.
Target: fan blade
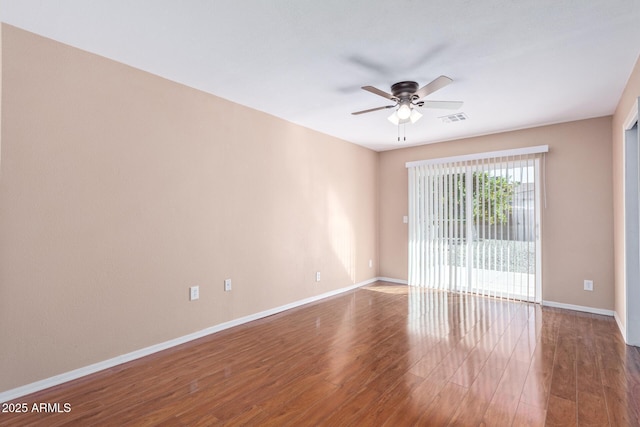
(373, 109)
(435, 85)
(445, 105)
(377, 91)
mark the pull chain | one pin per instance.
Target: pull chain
(404, 132)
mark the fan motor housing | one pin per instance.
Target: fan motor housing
(404, 89)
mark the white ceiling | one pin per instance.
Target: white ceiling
(515, 63)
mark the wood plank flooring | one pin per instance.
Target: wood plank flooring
(382, 355)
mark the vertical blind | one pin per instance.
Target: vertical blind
(474, 223)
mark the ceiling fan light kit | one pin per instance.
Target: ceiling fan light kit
(415, 116)
(396, 119)
(404, 111)
(406, 96)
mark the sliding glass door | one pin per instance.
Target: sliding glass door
(474, 226)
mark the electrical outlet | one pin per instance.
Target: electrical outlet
(405, 219)
(317, 276)
(588, 285)
(370, 263)
(227, 285)
(194, 293)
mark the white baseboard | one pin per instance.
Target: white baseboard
(582, 308)
(137, 354)
(96, 367)
(389, 279)
(623, 330)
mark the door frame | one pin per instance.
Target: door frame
(631, 224)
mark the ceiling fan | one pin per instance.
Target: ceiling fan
(406, 96)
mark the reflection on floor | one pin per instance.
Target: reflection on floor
(383, 354)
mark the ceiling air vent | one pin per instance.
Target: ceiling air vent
(452, 118)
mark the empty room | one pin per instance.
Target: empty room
(292, 213)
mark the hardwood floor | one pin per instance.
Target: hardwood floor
(380, 355)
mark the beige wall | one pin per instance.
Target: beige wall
(629, 96)
(577, 241)
(120, 189)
